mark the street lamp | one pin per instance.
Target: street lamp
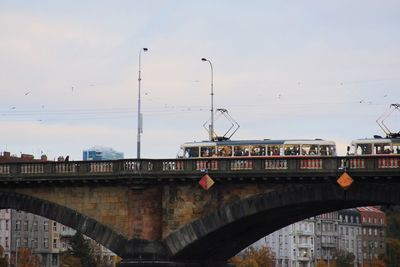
(140, 116)
(211, 127)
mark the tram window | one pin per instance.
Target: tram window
(257, 150)
(309, 150)
(382, 148)
(191, 152)
(396, 148)
(224, 151)
(326, 150)
(241, 151)
(273, 150)
(207, 151)
(364, 149)
(293, 150)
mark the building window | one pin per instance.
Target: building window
(54, 243)
(369, 220)
(46, 226)
(370, 231)
(35, 226)
(25, 225)
(34, 243)
(18, 225)
(364, 231)
(381, 221)
(54, 260)
(25, 242)
(6, 224)
(7, 244)
(46, 243)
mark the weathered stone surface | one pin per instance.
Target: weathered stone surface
(183, 221)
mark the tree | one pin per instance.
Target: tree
(3, 260)
(253, 257)
(26, 258)
(81, 249)
(344, 258)
(321, 263)
(68, 260)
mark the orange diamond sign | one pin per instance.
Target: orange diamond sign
(345, 181)
(206, 182)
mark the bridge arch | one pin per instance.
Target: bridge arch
(222, 234)
(99, 232)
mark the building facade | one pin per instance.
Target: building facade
(326, 236)
(292, 245)
(5, 232)
(350, 238)
(359, 231)
(373, 225)
(36, 233)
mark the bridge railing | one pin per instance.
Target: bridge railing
(215, 165)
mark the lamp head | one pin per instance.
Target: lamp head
(204, 59)
(145, 49)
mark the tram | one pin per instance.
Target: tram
(379, 145)
(375, 146)
(258, 148)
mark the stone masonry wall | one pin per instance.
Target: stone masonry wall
(184, 204)
(145, 216)
(107, 205)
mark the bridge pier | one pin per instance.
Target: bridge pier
(166, 263)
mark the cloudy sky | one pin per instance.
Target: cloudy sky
(283, 69)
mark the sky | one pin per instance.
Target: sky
(283, 69)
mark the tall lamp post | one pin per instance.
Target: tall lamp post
(140, 117)
(211, 127)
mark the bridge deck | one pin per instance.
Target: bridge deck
(147, 171)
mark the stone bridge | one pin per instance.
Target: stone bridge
(153, 212)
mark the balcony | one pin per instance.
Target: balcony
(304, 245)
(304, 258)
(328, 244)
(302, 232)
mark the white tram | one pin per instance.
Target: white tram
(257, 148)
(375, 146)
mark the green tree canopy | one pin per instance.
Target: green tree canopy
(81, 249)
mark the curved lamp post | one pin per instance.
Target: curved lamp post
(211, 129)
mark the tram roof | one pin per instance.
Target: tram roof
(260, 142)
(376, 140)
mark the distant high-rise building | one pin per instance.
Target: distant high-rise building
(102, 153)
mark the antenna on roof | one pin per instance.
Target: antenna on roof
(381, 121)
(234, 126)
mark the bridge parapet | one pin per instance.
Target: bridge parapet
(192, 168)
